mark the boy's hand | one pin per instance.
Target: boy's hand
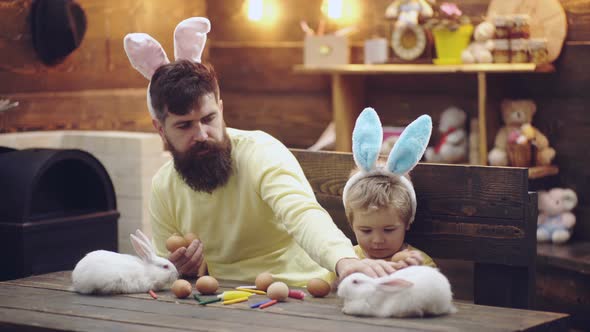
(407, 258)
(188, 260)
(371, 267)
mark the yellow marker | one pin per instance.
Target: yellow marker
(255, 291)
(232, 295)
(238, 300)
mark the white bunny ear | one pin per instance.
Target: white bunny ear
(190, 37)
(367, 137)
(395, 284)
(410, 146)
(141, 249)
(144, 239)
(145, 53)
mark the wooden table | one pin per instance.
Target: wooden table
(45, 303)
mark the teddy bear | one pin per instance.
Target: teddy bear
(452, 143)
(556, 221)
(480, 50)
(517, 129)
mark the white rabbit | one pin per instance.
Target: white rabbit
(107, 272)
(414, 291)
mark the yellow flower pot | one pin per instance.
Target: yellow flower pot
(449, 44)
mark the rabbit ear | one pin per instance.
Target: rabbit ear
(394, 284)
(410, 146)
(190, 37)
(141, 249)
(145, 53)
(143, 237)
(367, 137)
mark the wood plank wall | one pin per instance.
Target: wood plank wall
(95, 88)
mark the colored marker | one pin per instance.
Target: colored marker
(268, 304)
(238, 300)
(296, 294)
(255, 291)
(231, 295)
(256, 305)
(210, 301)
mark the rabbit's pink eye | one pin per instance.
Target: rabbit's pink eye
(166, 266)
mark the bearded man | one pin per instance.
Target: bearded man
(242, 192)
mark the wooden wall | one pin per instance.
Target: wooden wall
(95, 88)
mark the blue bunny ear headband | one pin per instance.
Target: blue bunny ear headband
(146, 54)
(367, 137)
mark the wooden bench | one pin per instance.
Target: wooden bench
(484, 215)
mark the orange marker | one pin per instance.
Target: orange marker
(268, 304)
(152, 294)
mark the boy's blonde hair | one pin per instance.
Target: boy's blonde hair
(377, 191)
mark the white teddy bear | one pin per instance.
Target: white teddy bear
(452, 144)
(480, 50)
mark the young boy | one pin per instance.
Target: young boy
(379, 208)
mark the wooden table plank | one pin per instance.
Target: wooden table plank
(46, 301)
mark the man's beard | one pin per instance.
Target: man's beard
(204, 172)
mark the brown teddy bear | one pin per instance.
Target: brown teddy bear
(517, 129)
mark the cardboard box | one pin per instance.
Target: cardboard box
(326, 50)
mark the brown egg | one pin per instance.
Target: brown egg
(400, 256)
(263, 280)
(190, 237)
(174, 242)
(207, 285)
(182, 288)
(278, 291)
(318, 287)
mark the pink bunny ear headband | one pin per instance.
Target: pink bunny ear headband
(147, 55)
(367, 137)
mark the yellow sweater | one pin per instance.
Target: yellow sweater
(266, 218)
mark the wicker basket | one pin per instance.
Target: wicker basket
(520, 155)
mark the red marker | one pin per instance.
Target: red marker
(152, 294)
(296, 294)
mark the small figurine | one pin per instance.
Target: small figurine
(408, 12)
(555, 222)
(517, 130)
(452, 143)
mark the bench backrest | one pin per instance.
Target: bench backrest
(480, 214)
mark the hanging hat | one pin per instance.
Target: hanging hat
(58, 27)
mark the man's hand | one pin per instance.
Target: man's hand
(188, 260)
(371, 267)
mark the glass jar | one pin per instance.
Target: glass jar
(521, 27)
(519, 51)
(538, 50)
(503, 24)
(501, 51)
